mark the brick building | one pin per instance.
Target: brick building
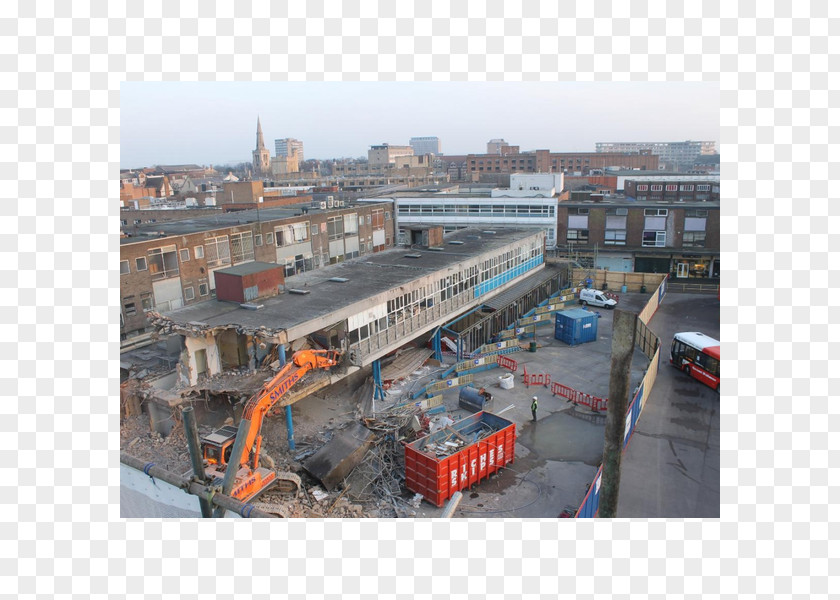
(545, 161)
(674, 188)
(620, 234)
(172, 265)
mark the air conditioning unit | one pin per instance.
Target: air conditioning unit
(323, 205)
(329, 201)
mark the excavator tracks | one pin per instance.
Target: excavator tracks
(287, 482)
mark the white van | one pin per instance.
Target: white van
(596, 298)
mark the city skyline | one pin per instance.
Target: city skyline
(214, 123)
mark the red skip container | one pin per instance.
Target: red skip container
(437, 479)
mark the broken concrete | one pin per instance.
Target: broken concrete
(332, 463)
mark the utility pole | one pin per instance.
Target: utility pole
(191, 432)
(233, 463)
(624, 335)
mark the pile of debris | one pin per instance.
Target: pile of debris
(452, 441)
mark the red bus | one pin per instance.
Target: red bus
(698, 355)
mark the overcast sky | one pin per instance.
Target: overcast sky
(214, 123)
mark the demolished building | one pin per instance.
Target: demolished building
(365, 308)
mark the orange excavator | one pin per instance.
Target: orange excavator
(253, 477)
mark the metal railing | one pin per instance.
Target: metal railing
(399, 330)
(693, 288)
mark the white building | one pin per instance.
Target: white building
(675, 153)
(531, 185)
(455, 213)
(425, 145)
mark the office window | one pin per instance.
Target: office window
(619, 212)
(696, 212)
(203, 289)
(656, 188)
(198, 251)
(615, 237)
(130, 309)
(269, 239)
(294, 233)
(335, 227)
(140, 263)
(146, 301)
(351, 224)
(654, 239)
(124, 270)
(185, 254)
(671, 187)
(189, 293)
(642, 187)
(703, 187)
(686, 188)
(258, 240)
(577, 236)
(656, 212)
(242, 247)
(217, 251)
(163, 262)
(694, 239)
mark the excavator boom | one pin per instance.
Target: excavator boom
(250, 479)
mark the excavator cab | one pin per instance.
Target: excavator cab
(218, 445)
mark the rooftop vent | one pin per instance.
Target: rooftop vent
(251, 306)
(413, 256)
(456, 242)
(298, 291)
(338, 279)
(435, 248)
(490, 232)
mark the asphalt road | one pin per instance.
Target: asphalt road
(671, 467)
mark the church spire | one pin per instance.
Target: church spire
(260, 143)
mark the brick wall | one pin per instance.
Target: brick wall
(194, 271)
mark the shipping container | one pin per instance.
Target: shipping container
(437, 477)
(249, 281)
(576, 326)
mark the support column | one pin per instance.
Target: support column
(436, 346)
(194, 447)
(290, 428)
(378, 393)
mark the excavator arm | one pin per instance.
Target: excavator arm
(263, 400)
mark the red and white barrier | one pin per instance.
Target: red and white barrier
(530, 379)
(508, 363)
(577, 397)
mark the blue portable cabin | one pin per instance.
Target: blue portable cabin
(576, 326)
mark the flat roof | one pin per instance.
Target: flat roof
(249, 268)
(630, 201)
(367, 276)
(145, 232)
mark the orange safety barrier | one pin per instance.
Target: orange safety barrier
(508, 363)
(577, 397)
(530, 379)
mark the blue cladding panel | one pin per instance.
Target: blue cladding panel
(502, 278)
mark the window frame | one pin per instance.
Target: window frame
(137, 264)
(127, 270)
